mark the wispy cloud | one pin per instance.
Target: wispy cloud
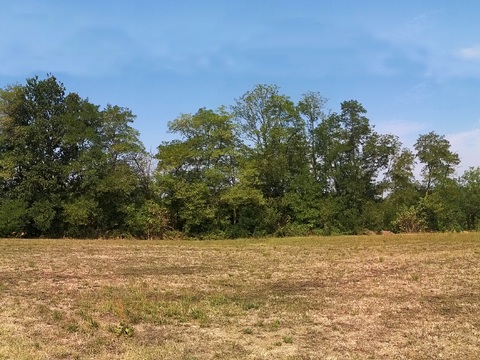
(470, 53)
(467, 145)
(406, 130)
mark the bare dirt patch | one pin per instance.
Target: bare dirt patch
(390, 297)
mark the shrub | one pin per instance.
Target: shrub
(409, 220)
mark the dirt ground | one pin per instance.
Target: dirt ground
(364, 297)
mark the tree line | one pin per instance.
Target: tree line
(263, 166)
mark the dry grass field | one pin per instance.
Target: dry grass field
(365, 297)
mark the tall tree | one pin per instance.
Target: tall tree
(352, 156)
(402, 190)
(274, 134)
(62, 159)
(439, 161)
(194, 171)
(311, 106)
(34, 153)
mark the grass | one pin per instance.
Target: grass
(379, 297)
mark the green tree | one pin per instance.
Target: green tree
(34, 155)
(274, 135)
(311, 106)
(402, 192)
(194, 172)
(439, 161)
(470, 183)
(66, 167)
(352, 157)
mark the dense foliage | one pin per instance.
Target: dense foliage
(264, 166)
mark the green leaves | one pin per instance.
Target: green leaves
(265, 166)
(433, 151)
(59, 158)
(13, 213)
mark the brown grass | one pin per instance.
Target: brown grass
(378, 297)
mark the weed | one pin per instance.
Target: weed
(198, 314)
(275, 325)
(247, 331)
(287, 340)
(57, 315)
(72, 327)
(123, 329)
(415, 277)
(251, 306)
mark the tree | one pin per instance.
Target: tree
(439, 161)
(61, 159)
(409, 220)
(402, 194)
(34, 155)
(470, 183)
(312, 106)
(194, 172)
(352, 156)
(274, 135)
(275, 149)
(400, 175)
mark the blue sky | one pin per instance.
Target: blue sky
(414, 65)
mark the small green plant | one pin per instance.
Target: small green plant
(57, 315)
(287, 340)
(89, 319)
(248, 331)
(275, 325)
(198, 314)
(72, 327)
(251, 306)
(124, 329)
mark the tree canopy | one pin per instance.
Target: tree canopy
(263, 166)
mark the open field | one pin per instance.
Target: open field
(379, 297)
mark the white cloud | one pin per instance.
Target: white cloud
(470, 53)
(407, 131)
(467, 145)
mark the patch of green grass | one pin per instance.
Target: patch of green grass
(91, 322)
(415, 277)
(72, 326)
(123, 329)
(287, 340)
(57, 315)
(248, 331)
(275, 325)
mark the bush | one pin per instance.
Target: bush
(409, 220)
